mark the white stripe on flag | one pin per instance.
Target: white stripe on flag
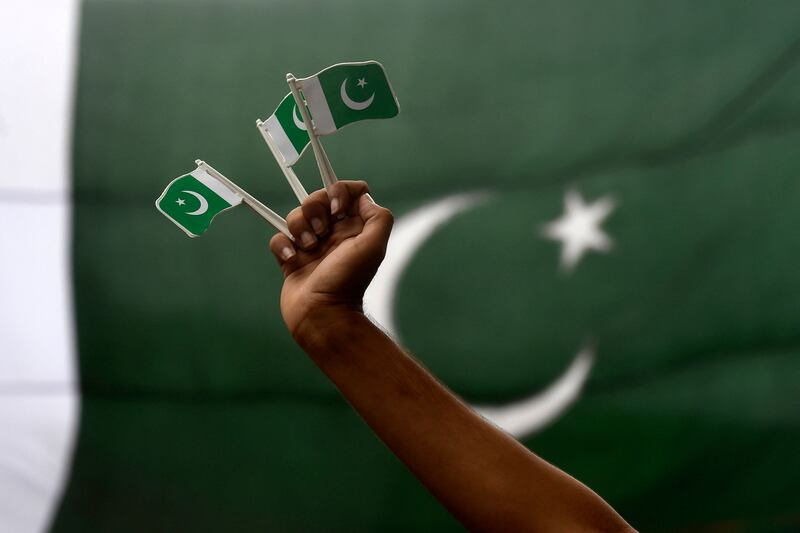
(281, 140)
(318, 105)
(214, 184)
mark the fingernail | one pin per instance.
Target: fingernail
(287, 253)
(319, 227)
(334, 206)
(307, 239)
(369, 197)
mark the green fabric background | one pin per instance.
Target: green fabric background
(200, 414)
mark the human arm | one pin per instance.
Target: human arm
(483, 476)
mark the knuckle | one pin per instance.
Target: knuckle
(316, 198)
(386, 215)
(277, 240)
(311, 207)
(295, 219)
(277, 246)
(294, 214)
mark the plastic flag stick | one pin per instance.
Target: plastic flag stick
(265, 212)
(324, 164)
(297, 187)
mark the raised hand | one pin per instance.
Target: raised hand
(340, 240)
(482, 475)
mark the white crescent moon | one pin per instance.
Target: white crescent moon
(203, 203)
(355, 106)
(519, 418)
(297, 121)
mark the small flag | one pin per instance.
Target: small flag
(192, 201)
(349, 92)
(287, 129)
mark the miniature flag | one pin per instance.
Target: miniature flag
(287, 129)
(349, 92)
(192, 201)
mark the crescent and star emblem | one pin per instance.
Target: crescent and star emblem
(352, 104)
(529, 415)
(203, 203)
(297, 120)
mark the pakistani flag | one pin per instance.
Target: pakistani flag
(192, 201)
(349, 92)
(620, 290)
(287, 129)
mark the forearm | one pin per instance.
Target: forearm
(482, 475)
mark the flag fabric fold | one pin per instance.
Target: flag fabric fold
(287, 130)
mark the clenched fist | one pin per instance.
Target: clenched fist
(340, 240)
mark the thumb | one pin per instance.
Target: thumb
(378, 222)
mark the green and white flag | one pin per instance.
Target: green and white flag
(192, 201)
(287, 129)
(349, 92)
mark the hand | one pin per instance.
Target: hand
(483, 476)
(340, 240)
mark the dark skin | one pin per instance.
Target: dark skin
(483, 476)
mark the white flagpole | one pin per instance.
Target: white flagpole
(265, 212)
(324, 164)
(291, 177)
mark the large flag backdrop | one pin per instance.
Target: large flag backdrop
(668, 130)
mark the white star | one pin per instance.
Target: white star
(180, 201)
(579, 229)
(361, 82)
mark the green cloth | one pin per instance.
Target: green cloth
(199, 413)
